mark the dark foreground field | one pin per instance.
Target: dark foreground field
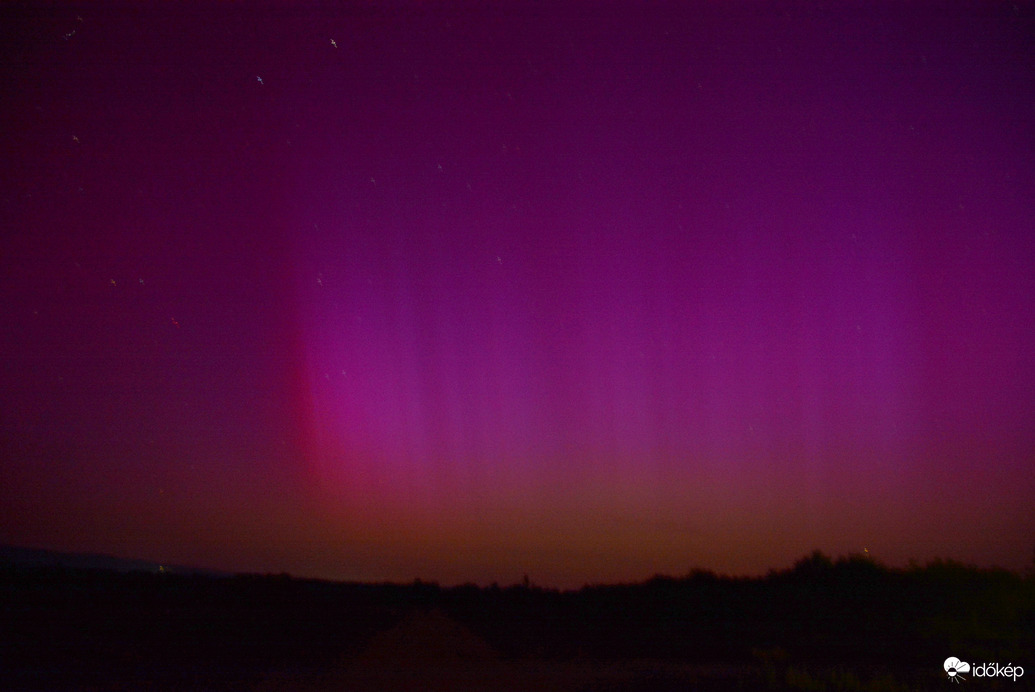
(823, 625)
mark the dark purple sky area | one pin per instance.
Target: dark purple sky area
(583, 291)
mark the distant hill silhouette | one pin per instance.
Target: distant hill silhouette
(36, 557)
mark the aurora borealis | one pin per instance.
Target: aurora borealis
(581, 291)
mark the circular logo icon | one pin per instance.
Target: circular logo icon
(954, 668)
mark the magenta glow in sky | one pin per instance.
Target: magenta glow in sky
(462, 294)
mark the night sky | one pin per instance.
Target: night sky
(587, 292)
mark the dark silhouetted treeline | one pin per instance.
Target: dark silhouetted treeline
(851, 609)
(59, 623)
